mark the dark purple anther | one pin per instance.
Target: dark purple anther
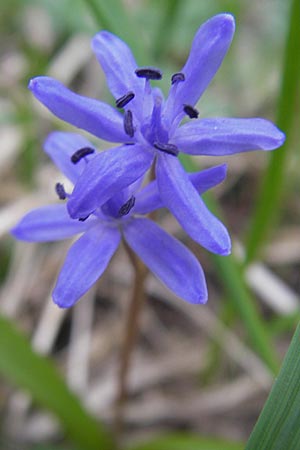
(128, 123)
(125, 209)
(167, 148)
(177, 77)
(83, 219)
(150, 73)
(193, 113)
(124, 100)
(60, 190)
(81, 153)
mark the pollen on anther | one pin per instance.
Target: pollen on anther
(177, 77)
(126, 208)
(81, 153)
(60, 190)
(124, 100)
(171, 149)
(193, 113)
(150, 73)
(128, 123)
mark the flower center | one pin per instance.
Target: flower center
(148, 122)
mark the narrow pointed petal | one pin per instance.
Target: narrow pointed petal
(209, 47)
(118, 64)
(168, 259)
(225, 136)
(49, 223)
(179, 195)
(208, 178)
(86, 261)
(149, 199)
(106, 174)
(89, 114)
(60, 146)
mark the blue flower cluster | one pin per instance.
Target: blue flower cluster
(110, 201)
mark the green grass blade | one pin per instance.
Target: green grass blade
(269, 199)
(36, 374)
(182, 441)
(278, 426)
(113, 16)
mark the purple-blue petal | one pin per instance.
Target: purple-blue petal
(89, 114)
(49, 223)
(225, 136)
(208, 178)
(168, 259)
(60, 146)
(149, 199)
(179, 195)
(107, 174)
(209, 47)
(86, 261)
(118, 64)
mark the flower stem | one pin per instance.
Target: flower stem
(130, 336)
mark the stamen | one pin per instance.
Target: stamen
(193, 113)
(125, 209)
(82, 219)
(150, 73)
(177, 77)
(124, 100)
(81, 153)
(60, 190)
(171, 149)
(128, 123)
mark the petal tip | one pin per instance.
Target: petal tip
(61, 298)
(281, 138)
(59, 302)
(225, 249)
(102, 39)
(228, 24)
(277, 139)
(225, 20)
(203, 300)
(201, 296)
(226, 252)
(32, 84)
(39, 85)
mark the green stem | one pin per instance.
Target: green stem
(269, 199)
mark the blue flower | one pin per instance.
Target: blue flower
(151, 125)
(119, 217)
